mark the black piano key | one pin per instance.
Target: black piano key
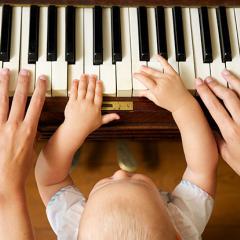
(161, 32)
(224, 37)
(144, 54)
(70, 55)
(97, 36)
(179, 34)
(116, 35)
(205, 35)
(33, 35)
(5, 45)
(52, 34)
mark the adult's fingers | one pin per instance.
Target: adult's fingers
(20, 97)
(91, 88)
(229, 97)
(145, 80)
(232, 80)
(98, 94)
(109, 117)
(82, 86)
(36, 103)
(219, 114)
(225, 154)
(4, 101)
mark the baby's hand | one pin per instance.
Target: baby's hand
(83, 110)
(165, 89)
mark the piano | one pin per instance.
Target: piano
(112, 39)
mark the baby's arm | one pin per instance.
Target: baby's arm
(82, 116)
(199, 147)
(167, 91)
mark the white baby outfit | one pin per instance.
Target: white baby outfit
(188, 205)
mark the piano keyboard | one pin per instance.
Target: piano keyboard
(64, 42)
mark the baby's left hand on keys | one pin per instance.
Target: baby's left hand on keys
(165, 89)
(83, 111)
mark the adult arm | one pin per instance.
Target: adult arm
(17, 134)
(227, 117)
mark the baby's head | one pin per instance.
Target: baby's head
(125, 206)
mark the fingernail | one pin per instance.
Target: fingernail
(225, 72)
(93, 76)
(43, 77)
(24, 72)
(208, 79)
(199, 82)
(4, 71)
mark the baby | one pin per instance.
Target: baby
(129, 206)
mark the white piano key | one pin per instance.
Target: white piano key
(123, 68)
(170, 39)
(136, 63)
(152, 32)
(89, 68)
(107, 69)
(24, 47)
(42, 65)
(237, 16)
(217, 66)
(13, 64)
(233, 66)
(0, 29)
(202, 69)
(59, 67)
(186, 69)
(76, 70)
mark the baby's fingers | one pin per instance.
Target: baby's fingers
(146, 81)
(167, 68)
(148, 94)
(91, 88)
(98, 93)
(151, 72)
(74, 90)
(82, 86)
(109, 117)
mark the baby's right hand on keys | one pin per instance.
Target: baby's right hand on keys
(83, 111)
(165, 89)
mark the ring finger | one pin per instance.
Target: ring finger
(230, 99)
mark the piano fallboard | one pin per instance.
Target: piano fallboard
(145, 122)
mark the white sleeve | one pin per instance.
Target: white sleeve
(190, 209)
(64, 211)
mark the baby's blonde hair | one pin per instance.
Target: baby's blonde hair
(122, 221)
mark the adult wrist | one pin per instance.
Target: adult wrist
(10, 194)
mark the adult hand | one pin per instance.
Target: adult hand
(17, 133)
(228, 118)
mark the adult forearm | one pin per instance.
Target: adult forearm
(15, 222)
(55, 159)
